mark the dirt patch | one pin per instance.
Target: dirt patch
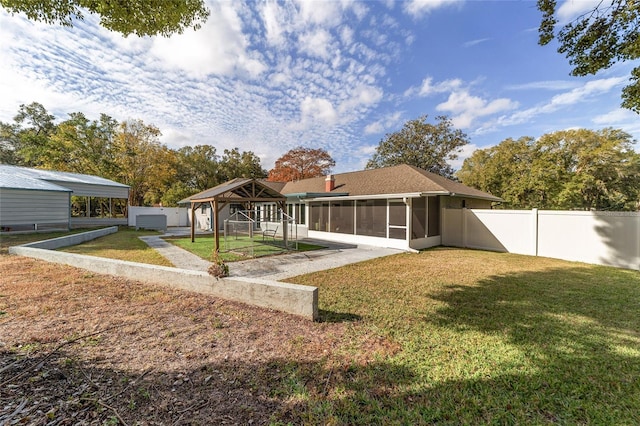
(83, 348)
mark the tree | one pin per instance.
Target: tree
(421, 144)
(236, 164)
(596, 40)
(82, 146)
(25, 142)
(571, 169)
(144, 164)
(301, 163)
(140, 17)
(198, 167)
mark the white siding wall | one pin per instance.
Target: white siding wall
(29, 207)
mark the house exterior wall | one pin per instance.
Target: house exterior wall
(204, 217)
(455, 202)
(20, 207)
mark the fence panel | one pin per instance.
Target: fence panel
(604, 238)
(176, 216)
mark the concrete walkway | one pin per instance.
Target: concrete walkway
(275, 267)
(174, 254)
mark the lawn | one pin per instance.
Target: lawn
(446, 336)
(483, 337)
(122, 245)
(236, 249)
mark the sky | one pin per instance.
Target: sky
(269, 76)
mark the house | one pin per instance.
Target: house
(398, 206)
(36, 199)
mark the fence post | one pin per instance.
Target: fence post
(534, 227)
(464, 227)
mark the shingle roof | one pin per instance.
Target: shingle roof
(402, 179)
(54, 176)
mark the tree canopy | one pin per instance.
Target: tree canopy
(570, 169)
(421, 144)
(301, 163)
(596, 40)
(129, 152)
(139, 17)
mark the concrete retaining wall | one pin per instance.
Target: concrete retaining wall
(291, 298)
(71, 240)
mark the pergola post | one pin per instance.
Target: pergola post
(285, 230)
(216, 218)
(193, 222)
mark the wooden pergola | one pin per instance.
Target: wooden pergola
(237, 191)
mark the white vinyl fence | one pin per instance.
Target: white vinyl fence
(604, 238)
(176, 216)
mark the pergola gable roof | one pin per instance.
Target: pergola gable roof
(240, 189)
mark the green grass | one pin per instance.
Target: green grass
(122, 245)
(9, 240)
(237, 249)
(480, 338)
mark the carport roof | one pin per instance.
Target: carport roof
(17, 181)
(25, 173)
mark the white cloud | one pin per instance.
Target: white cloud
(590, 88)
(273, 29)
(316, 43)
(326, 13)
(475, 42)
(219, 47)
(316, 111)
(466, 152)
(616, 116)
(363, 95)
(419, 8)
(544, 85)
(583, 93)
(387, 122)
(572, 9)
(466, 108)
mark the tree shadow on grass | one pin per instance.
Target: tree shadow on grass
(576, 333)
(336, 317)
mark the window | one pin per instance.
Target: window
(434, 217)
(319, 216)
(397, 220)
(302, 216)
(342, 217)
(419, 218)
(371, 218)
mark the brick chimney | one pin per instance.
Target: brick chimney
(329, 183)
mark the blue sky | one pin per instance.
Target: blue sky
(268, 76)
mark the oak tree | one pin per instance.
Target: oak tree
(596, 40)
(570, 169)
(139, 17)
(301, 163)
(421, 144)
